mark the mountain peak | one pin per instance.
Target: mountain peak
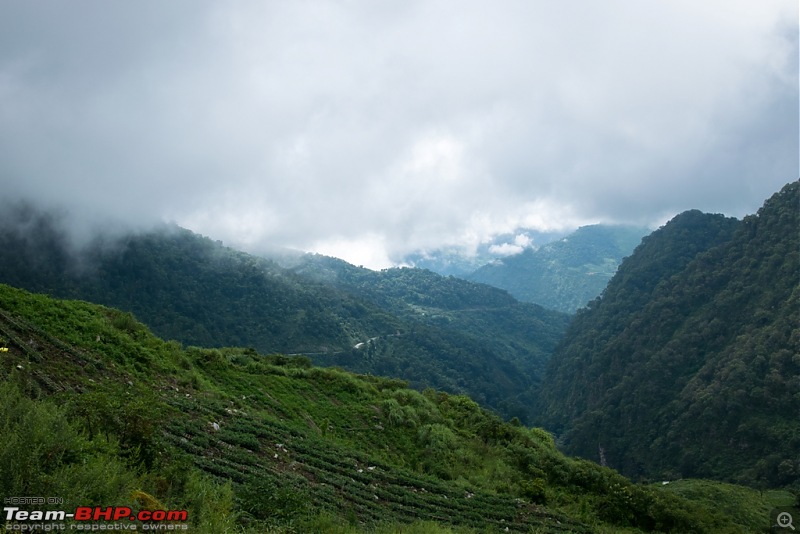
(681, 368)
(565, 274)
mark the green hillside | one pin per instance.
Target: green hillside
(433, 331)
(99, 412)
(462, 332)
(566, 274)
(187, 287)
(688, 365)
(460, 262)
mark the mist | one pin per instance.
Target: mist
(371, 132)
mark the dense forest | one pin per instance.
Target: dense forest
(435, 331)
(566, 274)
(98, 411)
(459, 329)
(685, 367)
(688, 365)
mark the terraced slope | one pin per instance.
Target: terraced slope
(250, 450)
(253, 443)
(438, 332)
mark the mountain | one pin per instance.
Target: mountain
(186, 287)
(434, 331)
(468, 331)
(566, 274)
(457, 261)
(687, 365)
(97, 411)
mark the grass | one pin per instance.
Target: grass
(268, 443)
(744, 506)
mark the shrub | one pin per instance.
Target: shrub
(534, 490)
(133, 415)
(36, 441)
(397, 415)
(210, 505)
(124, 321)
(42, 453)
(544, 437)
(268, 500)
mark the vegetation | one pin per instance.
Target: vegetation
(96, 409)
(566, 274)
(445, 333)
(460, 262)
(464, 337)
(687, 365)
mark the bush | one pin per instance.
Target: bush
(268, 500)
(133, 415)
(42, 453)
(397, 415)
(209, 359)
(37, 440)
(439, 444)
(210, 505)
(124, 322)
(533, 490)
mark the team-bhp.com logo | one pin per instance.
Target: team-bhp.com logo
(108, 518)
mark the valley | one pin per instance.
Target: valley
(426, 267)
(311, 394)
(98, 410)
(565, 274)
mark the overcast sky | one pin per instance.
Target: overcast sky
(370, 129)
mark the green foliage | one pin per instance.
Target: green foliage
(455, 335)
(397, 415)
(534, 490)
(288, 448)
(412, 324)
(37, 440)
(210, 505)
(125, 322)
(133, 415)
(43, 453)
(566, 274)
(274, 501)
(439, 446)
(686, 366)
(745, 506)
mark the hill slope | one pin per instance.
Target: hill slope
(434, 331)
(187, 287)
(566, 274)
(99, 412)
(461, 332)
(457, 261)
(688, 363)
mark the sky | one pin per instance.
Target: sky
(370, 130)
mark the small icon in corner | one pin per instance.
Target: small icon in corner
(785, 520)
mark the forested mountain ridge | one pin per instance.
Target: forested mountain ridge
(662, 254)
(566, 274)
(186, 287)
(457, 261)
(688, 364)
(472, 325)
(98, 411)
(448, 302)
(405, 323)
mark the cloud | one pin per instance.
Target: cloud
(505, 249)
(370, 130)
(521, 242)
